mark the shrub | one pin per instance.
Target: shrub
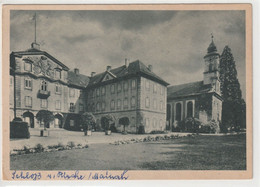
(88, 120)
(211, 127)
(124, 121)
(190, 124)
(71, 144)
(19, 129)
(106, 121)
(157, 132)
(39, 148)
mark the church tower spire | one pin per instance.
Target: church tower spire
(211, 70)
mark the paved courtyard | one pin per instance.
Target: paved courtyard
(63, 136)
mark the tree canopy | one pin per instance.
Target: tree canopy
(88, 120)
(106, 121)
(45, 116)
(233, 107)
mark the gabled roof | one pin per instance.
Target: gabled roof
(182, 90)
(134, 68)
(78, 80)
(34, 51)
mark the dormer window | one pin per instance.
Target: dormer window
(28, 66)
(44, 85)
(57, 73)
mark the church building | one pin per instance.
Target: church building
(201, 99)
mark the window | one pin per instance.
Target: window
(103, 106)
(28, 101)
(44, 85)
(155, 123)
(112, 88)
(72, 107)
(133, 84)
(93, 93)
(119, 87)
(189, 109)
(98, 107)
(72, 92)
(28, 66)
(147, 84)
(125, 86)
(178, 112)
(28, 83)
(154, 88)
(162, 88)
(58, 89)
(118, 104)
(81, 107)
(125, 102)
(44, 103)
(72, 123)
(147, 102)
(161, 105)
(98, 92)
(57, 74)
(133, 101)
(58, 105)
(103, 90)
(155, 104)
(112, 105)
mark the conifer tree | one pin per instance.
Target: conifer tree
(233, 107)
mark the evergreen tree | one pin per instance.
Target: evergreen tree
(233, 108)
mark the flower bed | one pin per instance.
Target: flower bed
(39, 148)
(150, 139)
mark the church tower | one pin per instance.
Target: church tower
(211, 71)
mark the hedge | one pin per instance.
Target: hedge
(19, 129)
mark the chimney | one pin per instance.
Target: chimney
(35, 46)
(108, 68)
(93, 74)
(150, 67)
(76, 71)
(126, 62)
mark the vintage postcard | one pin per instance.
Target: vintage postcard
(127, 92)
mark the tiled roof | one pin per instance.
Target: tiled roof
(193, 88)
(134, 68)
(77, 79)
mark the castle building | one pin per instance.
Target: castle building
(133, 91)
(38, 81)
(202, 99)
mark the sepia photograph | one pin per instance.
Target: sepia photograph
(127, 89)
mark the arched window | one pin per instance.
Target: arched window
(44, 85)
(190, 109)
(178, 111)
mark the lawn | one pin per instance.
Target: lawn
(187, 153)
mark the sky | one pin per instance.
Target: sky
(173, 42)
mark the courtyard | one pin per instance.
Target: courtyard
(199, 152)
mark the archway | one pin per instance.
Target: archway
(189, 109)
(178, 112)
(58, 121)
(29, 118)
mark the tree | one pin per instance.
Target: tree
(45, 116)
(106, 121)
(89, 120)
(233, 107)
(124, 121)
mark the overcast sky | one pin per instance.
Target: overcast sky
(174, 42)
